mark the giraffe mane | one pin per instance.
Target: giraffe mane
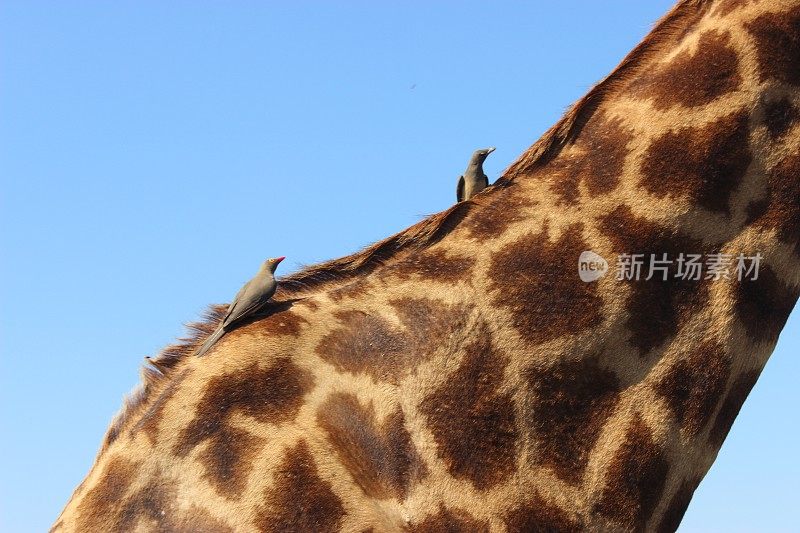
(428, 231)
(431, 229)
(563, 132)
(157, 369)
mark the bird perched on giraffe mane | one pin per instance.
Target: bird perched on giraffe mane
(474, 179)
(250, 299)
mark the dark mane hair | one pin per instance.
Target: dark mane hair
(677, 21)
(680, 18)
(424, 233)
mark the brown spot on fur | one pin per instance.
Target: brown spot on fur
(726, 7)
(777, 39)
(755, 210)
(572, 401)
(603, 146)
(694, 384)
(781, 209)
(504, 208)
(365, 344)
(351, 290)
(428, 323)
(299, 500)
(677, 506)
(309, 303)
(227, 459)
(538, 516)
(779, 115)
(764, 305)
(269, 395)
(703, 164)
(635, 479)
(107, 507)
(432, 266)
(694, 79)
(526, 274)
(656, 308)
(380, 457)
(281, 323)
(473, 425)
(101, 503)
(450, 521)
(731, 406)
(370, 344)
(152, 506)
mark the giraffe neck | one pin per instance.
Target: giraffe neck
(463, 376)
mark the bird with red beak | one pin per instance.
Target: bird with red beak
(250, 300)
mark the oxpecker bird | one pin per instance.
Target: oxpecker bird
(250, 299)
(474, 180)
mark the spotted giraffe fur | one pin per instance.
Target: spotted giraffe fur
(458, 376)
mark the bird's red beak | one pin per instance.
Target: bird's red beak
(279, 259)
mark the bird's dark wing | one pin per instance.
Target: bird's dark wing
(237, 300)
(485, 180)
(460, 189)
(244, 310)
(250, 300)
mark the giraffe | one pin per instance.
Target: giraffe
(459, 376)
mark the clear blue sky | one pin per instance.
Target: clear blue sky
(153, 153)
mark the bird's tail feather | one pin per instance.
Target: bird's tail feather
(211, 340)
